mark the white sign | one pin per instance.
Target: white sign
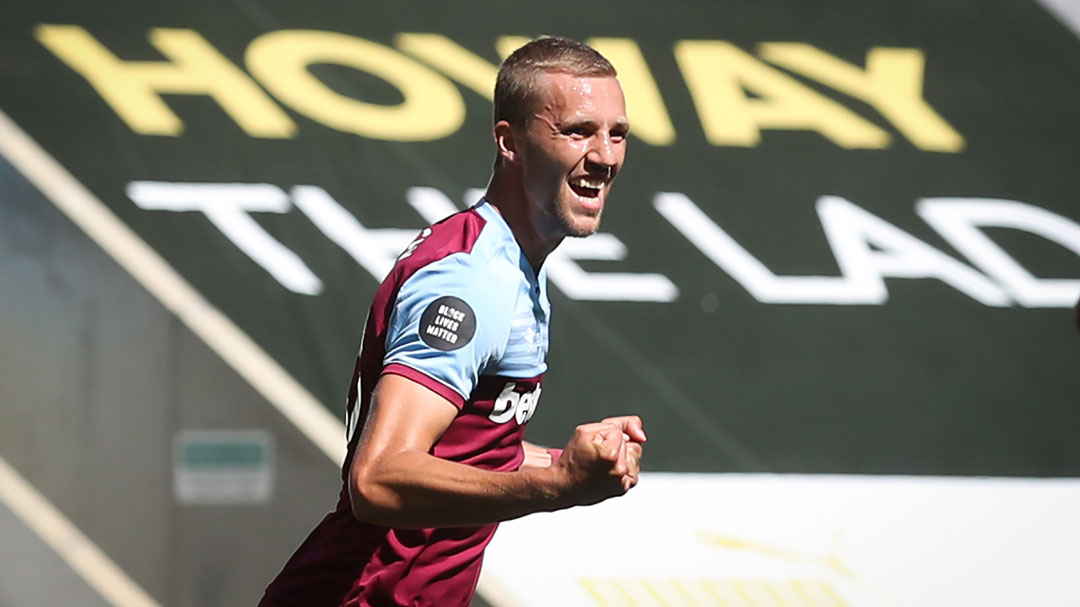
(732, 540)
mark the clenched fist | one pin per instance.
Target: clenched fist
(602, 459)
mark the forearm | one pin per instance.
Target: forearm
(412, 488)
(395, 481)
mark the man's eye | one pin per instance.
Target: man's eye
(576, 131)
(618, 135)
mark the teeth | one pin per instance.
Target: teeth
(585, 182)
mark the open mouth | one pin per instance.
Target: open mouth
(587, 187)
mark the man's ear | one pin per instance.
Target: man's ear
(506, 143)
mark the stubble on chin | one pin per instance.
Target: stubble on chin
(574, 229)
(557, 219)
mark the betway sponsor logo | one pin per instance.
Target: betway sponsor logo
(515, 405)
(867, 248)
(736, 94)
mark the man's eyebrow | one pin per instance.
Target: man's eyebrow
(623, 125)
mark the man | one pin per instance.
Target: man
(453, 355)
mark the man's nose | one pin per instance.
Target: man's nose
(602, 152)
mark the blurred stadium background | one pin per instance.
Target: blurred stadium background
(837, 279)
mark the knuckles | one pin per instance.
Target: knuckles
(604, 460)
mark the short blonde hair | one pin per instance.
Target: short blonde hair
(516, 89)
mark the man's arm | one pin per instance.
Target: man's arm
(395, 481)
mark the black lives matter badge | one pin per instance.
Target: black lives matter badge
(448, 323)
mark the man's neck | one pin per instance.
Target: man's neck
(506, 194)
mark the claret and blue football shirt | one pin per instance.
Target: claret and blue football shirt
(464, 314)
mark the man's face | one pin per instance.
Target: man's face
(572, 147)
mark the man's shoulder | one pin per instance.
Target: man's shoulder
(458, 233)
(466, 244)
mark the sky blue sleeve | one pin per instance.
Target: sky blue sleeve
(450, 319)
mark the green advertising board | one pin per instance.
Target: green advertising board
(846, 240)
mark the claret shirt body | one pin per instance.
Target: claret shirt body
(463, 313)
